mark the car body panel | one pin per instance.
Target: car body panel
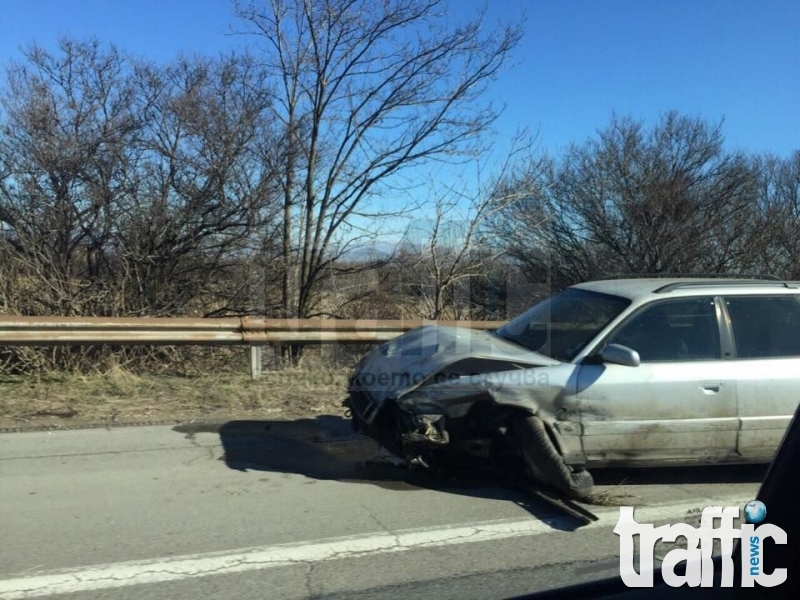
(658, 411)
(662, 409)
(767, 385)
(768, 393)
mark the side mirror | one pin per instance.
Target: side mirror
(620, 355)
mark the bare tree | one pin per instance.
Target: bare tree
(365, 90)
(132, 188)
(633, 200)
(201, 193)
(774, 238)
(69, 131)
(446, 257)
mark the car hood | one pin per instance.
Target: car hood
(430, 352)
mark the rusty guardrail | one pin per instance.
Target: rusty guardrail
(45, 331)
(252, 332)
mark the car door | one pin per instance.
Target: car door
(766, 337)
(679, 404)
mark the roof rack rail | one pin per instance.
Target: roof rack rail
(684, 284)
(759, 276)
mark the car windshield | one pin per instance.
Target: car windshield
(561, 326)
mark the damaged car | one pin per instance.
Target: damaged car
(624, 372)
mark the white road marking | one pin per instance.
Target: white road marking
(123, 574)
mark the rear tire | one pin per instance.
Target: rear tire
(543, 460)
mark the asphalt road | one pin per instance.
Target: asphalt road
(270, 509)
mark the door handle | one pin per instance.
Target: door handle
(711, 387)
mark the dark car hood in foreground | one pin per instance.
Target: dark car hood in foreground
(430, 352)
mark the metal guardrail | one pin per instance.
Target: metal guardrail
(253, 332)
(46, 331)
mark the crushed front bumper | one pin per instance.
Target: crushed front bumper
(403, 433)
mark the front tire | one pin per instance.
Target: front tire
(544, 461)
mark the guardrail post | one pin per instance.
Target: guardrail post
(255, 363)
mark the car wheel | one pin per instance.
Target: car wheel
(543, 460)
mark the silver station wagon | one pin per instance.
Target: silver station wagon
(623, 372)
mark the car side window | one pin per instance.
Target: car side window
(765, 326)
(673, 330)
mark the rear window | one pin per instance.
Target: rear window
(765, 326)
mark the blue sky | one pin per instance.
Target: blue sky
(579, 61)
(730, 59)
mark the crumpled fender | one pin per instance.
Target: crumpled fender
(541, 391)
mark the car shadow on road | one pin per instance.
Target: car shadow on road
(327, 448)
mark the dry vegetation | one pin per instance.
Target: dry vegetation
(120, 397)
(196, 384)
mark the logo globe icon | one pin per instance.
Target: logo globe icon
(755, 511)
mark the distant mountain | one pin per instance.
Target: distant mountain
(370, 250)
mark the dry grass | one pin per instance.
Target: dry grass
(611, 497)
(120, 397)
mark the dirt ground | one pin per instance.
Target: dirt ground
(120, 398)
